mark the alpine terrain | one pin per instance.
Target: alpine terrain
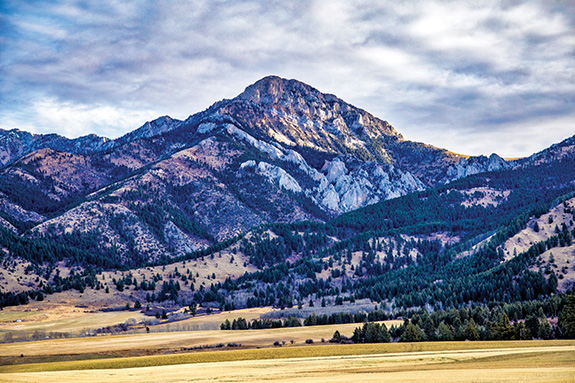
(285, 197)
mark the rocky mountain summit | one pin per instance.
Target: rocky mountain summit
(281, 151)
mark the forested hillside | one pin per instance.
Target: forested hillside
(420, 250)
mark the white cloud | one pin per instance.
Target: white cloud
(471, 68)
(507, 140)
(75, 120)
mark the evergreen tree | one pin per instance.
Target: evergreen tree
(383, 335)
(445, 332)
(428, 327)
(336, 336)
(412, 333)
(532, 324)
(471, 331)
(357, 337)
(522, 332)
(370, 333)
(502, 329)
(567, 319)
(226, 325)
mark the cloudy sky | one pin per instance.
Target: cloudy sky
(474, 77)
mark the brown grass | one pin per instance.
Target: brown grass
(437, 362)
(212, 321)
(65, 319)
(296, 352)
(527, 237)
(170, 341)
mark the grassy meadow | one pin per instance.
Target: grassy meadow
(528, 361)
(167, 354)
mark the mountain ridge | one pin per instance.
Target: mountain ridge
(281, 151)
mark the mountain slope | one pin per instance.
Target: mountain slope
(279, 152)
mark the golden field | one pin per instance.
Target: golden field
(164, 355)
(437, 362)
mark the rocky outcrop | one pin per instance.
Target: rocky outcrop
(348, 189)
(335, 188)
(276, 175)
(179, 242)
(556, 152)
(474, 165)
(296, 115)
(150, 129)
(7, 225)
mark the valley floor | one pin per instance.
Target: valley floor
(549, 361)
(165, 355)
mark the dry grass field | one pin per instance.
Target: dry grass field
(68, 311)
(429, 362)
(212, 321)
(71, 319)
(162, 342)
(71, 324)
(165, 355)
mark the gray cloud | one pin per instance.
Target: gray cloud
(470, 77)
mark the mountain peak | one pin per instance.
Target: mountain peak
(273, 89)
(296, 114)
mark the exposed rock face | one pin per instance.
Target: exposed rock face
(321, 126)
(474, 165)
(150, 129)
(297, 115)
(308, 117)
(335, 188)
(279, 176)
(178, 242)
(7, 225)
(17, 213)
(364, 184)
(109, 223)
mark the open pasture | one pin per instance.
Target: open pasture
(73, 320)
(435, 362)
(161, 342)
